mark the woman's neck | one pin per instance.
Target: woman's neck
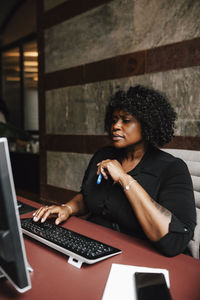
(135, 151)
(130, 157)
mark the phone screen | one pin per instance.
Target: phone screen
(151, 286)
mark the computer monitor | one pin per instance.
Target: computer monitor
(13, 262)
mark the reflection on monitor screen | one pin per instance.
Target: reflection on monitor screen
(13, 262)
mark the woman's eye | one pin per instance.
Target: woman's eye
(126, 120)
(114, 121)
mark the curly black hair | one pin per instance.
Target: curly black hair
(150, 107)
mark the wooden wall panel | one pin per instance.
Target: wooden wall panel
(175, 56)
(169, 57)
(91, 143)
(76, 143)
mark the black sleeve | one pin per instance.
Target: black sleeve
(176, 194)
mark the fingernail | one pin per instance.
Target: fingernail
(35, 219)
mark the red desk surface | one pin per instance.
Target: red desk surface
(53, 278)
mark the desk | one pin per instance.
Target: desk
(53, 278)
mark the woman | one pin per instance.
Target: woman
(144, 191)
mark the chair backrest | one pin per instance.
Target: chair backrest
(192, 159)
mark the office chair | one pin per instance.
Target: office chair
(192, 159)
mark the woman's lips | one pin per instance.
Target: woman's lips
(117, 137)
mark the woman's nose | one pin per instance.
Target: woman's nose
(117, 125)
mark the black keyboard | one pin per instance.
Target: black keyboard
(78, 247)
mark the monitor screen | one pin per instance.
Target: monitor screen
(13, 262)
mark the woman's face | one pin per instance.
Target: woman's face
(125, 130)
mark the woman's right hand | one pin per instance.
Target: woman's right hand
(62, 212)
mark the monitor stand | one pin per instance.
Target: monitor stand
(29, 268)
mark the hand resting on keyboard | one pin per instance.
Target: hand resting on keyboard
(45, 211)
(75, 207)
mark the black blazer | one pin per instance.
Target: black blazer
(165, 178)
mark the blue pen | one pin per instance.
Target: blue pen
(99, 178)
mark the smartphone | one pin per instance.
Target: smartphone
(151, 286)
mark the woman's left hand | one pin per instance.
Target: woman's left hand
(112, 168)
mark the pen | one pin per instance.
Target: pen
(99, 178)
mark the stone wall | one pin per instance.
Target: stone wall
(113, 29)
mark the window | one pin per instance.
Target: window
(11, 85)
(20, 85)
(30, 74)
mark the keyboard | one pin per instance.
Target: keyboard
(79, 248)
